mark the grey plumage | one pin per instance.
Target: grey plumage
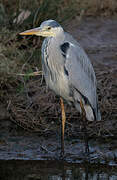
(69, 72)
(50, 23)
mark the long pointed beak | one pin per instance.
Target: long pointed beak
(34, 31)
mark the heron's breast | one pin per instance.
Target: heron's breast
(60, 86)
(53, 68)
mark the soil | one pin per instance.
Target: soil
(39, 116)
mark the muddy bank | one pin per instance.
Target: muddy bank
(34, 147)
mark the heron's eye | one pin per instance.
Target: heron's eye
(49, 28)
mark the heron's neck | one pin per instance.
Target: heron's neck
(59, 38)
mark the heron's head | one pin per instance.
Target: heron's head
(49, 28)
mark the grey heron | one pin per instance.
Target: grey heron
(67, 71)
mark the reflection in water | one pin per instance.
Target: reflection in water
(54, 170)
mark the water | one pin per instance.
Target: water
(55, 170)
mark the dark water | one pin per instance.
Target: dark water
(54, 170)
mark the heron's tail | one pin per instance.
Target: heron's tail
(89, 112)
(91, 115)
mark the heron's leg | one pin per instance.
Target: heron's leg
(62, 126)
(84, 126)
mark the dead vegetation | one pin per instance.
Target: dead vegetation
(38, 109)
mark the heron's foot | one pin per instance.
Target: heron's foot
(62, 155)
(87, 150)
(87, 146)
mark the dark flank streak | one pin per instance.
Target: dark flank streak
(66, 72)
(64, 47)
(64, 55)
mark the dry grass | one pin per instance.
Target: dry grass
(60, 10)
(99, 7)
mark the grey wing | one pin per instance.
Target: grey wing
(81, 74)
